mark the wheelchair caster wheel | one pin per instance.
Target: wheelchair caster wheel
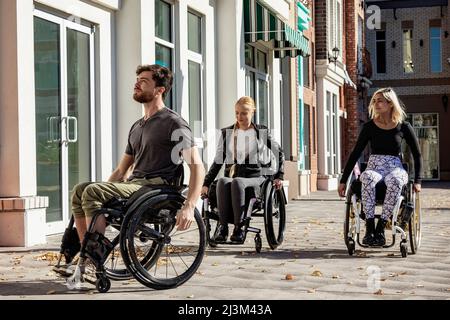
(404, 249)
(351, 247)
(103, 284)
(258, 243)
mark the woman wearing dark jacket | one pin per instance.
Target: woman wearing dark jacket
(245, 148)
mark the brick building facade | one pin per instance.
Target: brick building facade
(410, 52)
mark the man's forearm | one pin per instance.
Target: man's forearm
(116, 176)
(195, 184)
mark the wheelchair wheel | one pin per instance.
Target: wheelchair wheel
(103, 284)
(349, 231)
(415, 225)
(175, 256)
(274, 216)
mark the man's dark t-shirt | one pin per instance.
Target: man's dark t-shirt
(156, 145)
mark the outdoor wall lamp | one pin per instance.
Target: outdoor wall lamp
(333, 58)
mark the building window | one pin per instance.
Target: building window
(331, 117)
(435, 49)
(195, 77)
(408, 64)
(306, 136)
(381, 51)
(314, 141)
(164, 47)
(306, 71)
(328, 122)
(194, 33)
(257, 82)
(339, 27)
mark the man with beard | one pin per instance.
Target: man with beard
(157, 144)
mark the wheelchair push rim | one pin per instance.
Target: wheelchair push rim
(176, 256)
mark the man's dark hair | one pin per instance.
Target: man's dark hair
(162, 76)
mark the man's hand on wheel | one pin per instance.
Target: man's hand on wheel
(185, 217)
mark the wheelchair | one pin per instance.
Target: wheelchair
(406, 219)
(264, 201)
(145, 244)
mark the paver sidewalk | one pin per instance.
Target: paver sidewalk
(313, 255)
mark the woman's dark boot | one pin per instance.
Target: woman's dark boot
(380, 239)
(370, 230)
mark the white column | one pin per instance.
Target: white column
(230, 58)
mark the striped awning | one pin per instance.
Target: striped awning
(260, 24)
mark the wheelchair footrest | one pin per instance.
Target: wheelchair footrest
(97, 247)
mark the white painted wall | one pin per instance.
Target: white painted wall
(129, 35)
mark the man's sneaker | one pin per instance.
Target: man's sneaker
(238, 236)
(66, 270)
(221, 234)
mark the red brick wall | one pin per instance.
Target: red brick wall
(320, 17)
(352, 13)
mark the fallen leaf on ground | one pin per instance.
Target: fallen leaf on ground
(312, 291)
(393, 275)
(391, 255)
(379, 293)
(51, 292)
(215, 265)
(336, 276)
(317, 273)
(289, 277)
(190, 297)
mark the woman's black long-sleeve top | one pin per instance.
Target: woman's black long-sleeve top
(247, 169)
(385, 142)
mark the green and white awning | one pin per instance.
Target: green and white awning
(260, 24)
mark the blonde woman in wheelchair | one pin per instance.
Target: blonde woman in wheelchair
(385, 132)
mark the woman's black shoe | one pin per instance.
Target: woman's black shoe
(238, 235)
(221, 234)
(380, 239)
(370, 230)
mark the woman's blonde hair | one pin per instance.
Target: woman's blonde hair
(398, 110)
(247, 101)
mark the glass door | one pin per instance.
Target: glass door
(426, 127)
(64, 112)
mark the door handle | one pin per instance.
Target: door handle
(54, 131)
(75, 130)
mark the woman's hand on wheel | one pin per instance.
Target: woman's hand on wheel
(341, 190)
(205, 191)
(417, 187)
(278, 184)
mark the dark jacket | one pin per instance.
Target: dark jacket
(246, 169)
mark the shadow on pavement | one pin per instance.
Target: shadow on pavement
(36, 288)
(286, 254)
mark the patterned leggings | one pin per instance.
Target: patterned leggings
(395, 177)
